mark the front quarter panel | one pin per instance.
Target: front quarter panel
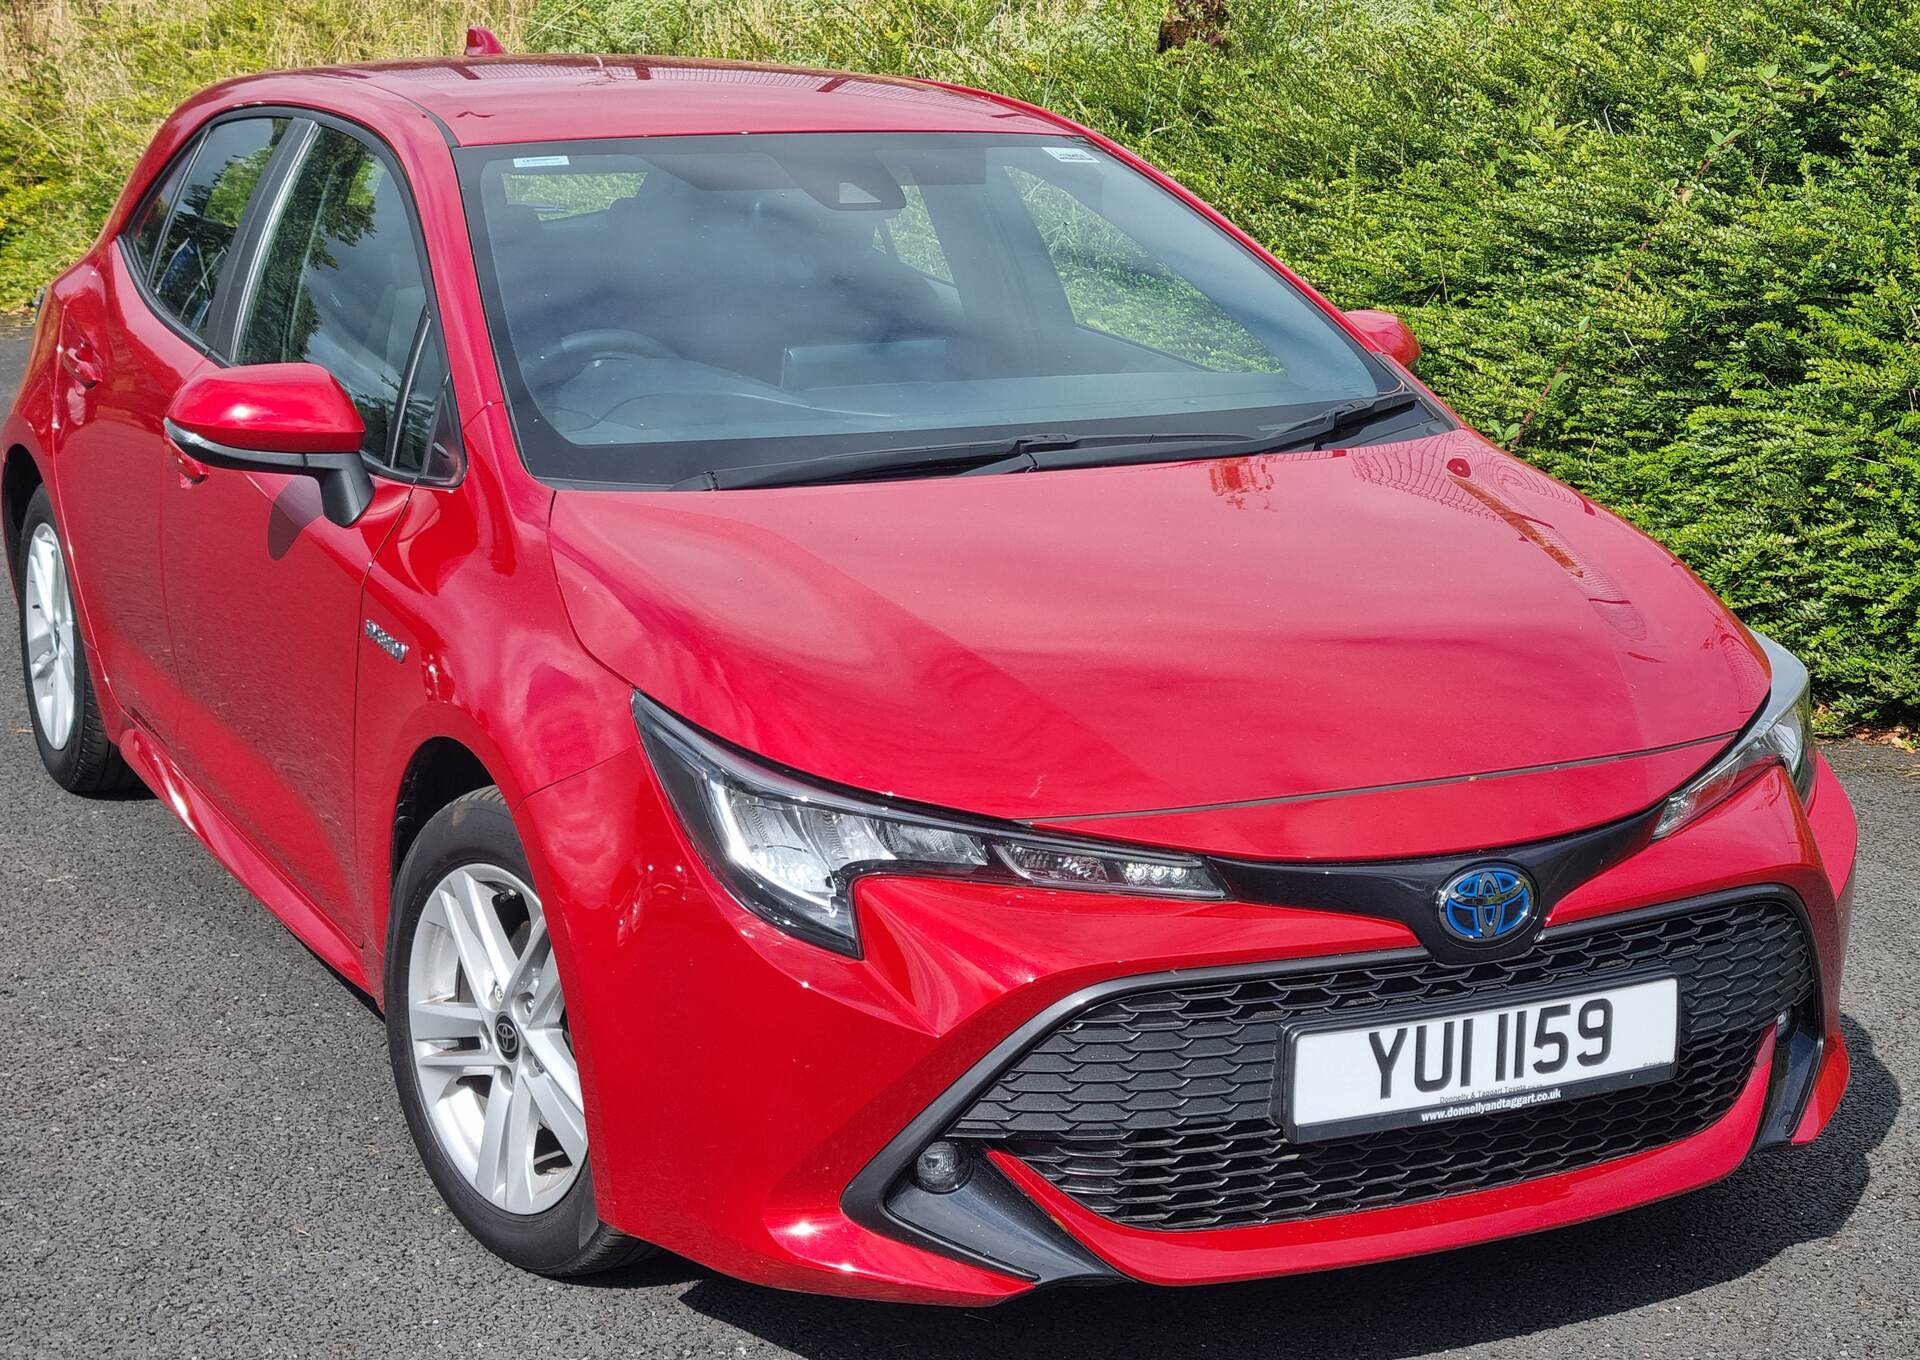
(466, 585)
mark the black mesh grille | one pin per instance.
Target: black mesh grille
(1153, 1108)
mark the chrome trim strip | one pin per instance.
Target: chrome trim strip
(1283, 799)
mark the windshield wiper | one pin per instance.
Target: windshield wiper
(1040, 452)
(1347, 415)
(914, 460)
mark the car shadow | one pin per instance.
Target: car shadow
(1481, 1294)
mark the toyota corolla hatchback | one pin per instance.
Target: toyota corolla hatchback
(886, 702)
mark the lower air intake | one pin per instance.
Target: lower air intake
(1153, 1109)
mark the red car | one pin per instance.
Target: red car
(890, 704)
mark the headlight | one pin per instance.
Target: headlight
(1782, 734)
(790, 849)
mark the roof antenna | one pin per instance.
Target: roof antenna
(482, 43)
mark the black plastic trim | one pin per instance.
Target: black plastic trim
(1408, 890)
(425, 334)
(416, 348)
(345, 488)
(1799, 1054)
(988, 1222)
(1796, 1064)
(253, 460)
(866, 1200)
(240, 275)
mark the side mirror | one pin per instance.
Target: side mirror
(1388, 334)
(290, 418)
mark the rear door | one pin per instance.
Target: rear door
(130, 333)
(263, 592)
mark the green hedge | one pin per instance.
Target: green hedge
(1668, 251)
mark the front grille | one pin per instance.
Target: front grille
(1153, 1108)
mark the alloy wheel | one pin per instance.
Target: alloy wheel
(51, 663)
(490, 1045)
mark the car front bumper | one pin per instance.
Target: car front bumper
(754, 1100)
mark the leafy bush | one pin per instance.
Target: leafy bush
(1668, 251)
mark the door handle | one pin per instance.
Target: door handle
(82, 361)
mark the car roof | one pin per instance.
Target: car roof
(496, 100)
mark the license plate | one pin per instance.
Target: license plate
(1431, 1067)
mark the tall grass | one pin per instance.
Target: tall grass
(1669, 250)
(83, 84)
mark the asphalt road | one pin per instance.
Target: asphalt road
(201, 1154)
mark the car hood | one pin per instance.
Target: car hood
(1403, 649)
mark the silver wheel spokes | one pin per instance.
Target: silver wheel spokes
(51, 670)
(491, 1049)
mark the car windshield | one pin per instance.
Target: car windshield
(666, 306)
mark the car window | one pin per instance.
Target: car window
(186, 267)
(1114, 285)
(427, 443)
(341, 284)
(909, 236)
(669, 305)
(568, 191)
(143, 234)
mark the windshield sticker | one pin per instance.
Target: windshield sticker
(535, 162)
(1073, 155)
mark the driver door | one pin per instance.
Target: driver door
(263, 592)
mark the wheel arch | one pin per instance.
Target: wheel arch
(440, 770)
(20, 477)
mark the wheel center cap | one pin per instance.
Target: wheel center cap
(507, 1037)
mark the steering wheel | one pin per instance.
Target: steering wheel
(603, 342)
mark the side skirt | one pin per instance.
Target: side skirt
(240, 858)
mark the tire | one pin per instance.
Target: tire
(527, 1196)
(62, 703)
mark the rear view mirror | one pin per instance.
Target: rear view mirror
(1388, 334)
(290, 418)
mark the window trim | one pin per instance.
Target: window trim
(428, 328)
(416, 347)
(263, 212)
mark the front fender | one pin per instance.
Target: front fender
(465, 585)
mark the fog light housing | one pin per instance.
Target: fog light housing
(942, 1167)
